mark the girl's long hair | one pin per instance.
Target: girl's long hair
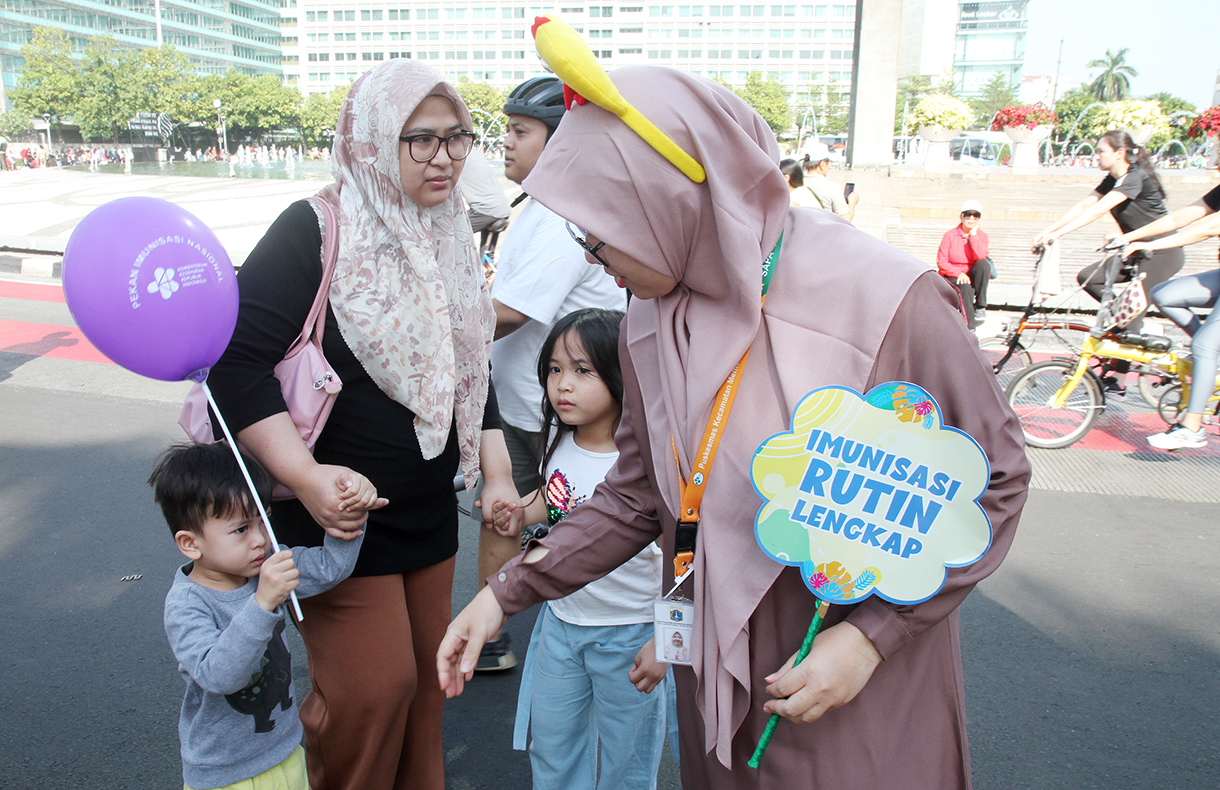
(598, 333)
(1137, 156)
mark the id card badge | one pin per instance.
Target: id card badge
(673, 629)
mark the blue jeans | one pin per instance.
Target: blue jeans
(575, 694)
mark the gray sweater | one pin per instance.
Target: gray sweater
(238, 717)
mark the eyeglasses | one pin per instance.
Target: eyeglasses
(423, 147)
(971, 214)
(578, 235)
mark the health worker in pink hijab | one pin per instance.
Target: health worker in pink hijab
(879, 701)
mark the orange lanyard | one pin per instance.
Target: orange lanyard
(692, 492)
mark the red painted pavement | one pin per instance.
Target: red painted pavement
(34, 292)
(48, 340)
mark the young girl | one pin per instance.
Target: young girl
(591, 667)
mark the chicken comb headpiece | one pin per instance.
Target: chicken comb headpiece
(584, 79)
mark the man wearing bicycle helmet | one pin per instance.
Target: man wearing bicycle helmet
(542, 276)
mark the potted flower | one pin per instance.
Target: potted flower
(1206, 124)
(1140, 119)
(1024, 123)
(940, 118)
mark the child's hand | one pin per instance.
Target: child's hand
(356, 493)
(647, 672)
(496, 494)
(276, 579)
(507, 518)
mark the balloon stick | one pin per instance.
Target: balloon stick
(801, 654)
(258, 502)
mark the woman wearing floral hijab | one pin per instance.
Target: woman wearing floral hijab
(878, 702)
(408, 330)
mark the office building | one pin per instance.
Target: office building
(990, 40)
(240, 34)
(806, 47)
(971, 41)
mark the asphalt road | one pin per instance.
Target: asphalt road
(1091, 656)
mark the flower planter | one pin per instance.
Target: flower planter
(1023, 134)
(1025, 144)
(936, 152)
(938, 134)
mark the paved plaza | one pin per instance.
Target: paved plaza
(1090, 657)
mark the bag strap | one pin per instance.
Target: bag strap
(330, 254)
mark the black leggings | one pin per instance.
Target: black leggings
(1160, 267)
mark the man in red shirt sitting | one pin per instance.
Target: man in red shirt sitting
(962, 260)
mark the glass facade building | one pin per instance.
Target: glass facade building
(806, 47)
(990, 40)
(215, 34)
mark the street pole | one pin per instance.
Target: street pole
(1055, 84)
(46, 117)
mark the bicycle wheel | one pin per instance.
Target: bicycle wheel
(1031, 392)
(1152, 385)
(1169, 405)
(994, 349)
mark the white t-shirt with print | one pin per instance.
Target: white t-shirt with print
(623, 596)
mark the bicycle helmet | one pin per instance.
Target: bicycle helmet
(541, 98)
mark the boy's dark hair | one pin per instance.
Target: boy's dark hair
(195, 482)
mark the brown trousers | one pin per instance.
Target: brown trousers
(373, 716)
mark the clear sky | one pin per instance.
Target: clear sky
(1175, 44)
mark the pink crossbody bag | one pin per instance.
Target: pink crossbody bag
(308, 382)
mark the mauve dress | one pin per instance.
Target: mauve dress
(856, 313)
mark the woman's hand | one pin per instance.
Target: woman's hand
(647, 671)
(839, 664)
(1040, 241)
(1135, 247)
(474, 627)
(963, 278)
(338, 499)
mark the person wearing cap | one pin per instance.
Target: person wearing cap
(828, 193)
(962, 260)
(541, 277)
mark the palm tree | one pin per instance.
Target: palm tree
(1113, 83)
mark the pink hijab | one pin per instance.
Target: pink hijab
(408, 289)
(822, 325)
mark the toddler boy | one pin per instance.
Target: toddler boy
(224, 619)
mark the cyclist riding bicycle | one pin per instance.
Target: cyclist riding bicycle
(1133, 195)
(1176, 299)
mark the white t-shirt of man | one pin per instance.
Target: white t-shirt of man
(623, 596)
(542, 274)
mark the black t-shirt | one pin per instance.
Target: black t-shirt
(367, 431)
(1144, 201)
(1212, 199)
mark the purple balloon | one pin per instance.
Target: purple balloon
(152, 287)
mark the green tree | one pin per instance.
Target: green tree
(486, 105)
(255, 106)
(910, 91)
(1171, 104)
(1068, 108)
(997, 94)
(50, 81)
(769, 99)
(14, 123)
(946, 85)
(110, 92)
(319, 114)
(1113, 84)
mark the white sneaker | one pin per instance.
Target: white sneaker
(1178, 438)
